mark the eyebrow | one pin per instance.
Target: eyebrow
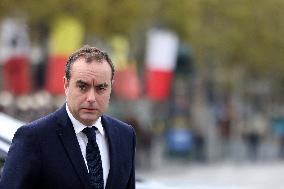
(81, 82)
(85, 83)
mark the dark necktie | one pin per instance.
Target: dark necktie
(93, 157)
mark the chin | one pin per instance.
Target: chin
(89, 121)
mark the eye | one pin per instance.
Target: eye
(102, 87)
(82, 87)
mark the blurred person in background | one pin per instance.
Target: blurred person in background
(57, 151)
(144, 142)
(254, 134)
(224, 115)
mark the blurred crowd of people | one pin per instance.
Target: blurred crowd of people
(256, 137)
(29, 107)
(249, 133)
(253, 136)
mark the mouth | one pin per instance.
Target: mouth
(89, 109)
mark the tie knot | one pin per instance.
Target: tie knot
(90, 132)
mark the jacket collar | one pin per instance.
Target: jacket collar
(114, 143)
(68, 138)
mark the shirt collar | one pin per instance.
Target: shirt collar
(78, 126)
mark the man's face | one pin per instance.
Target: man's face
(88, 90)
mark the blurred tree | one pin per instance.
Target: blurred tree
(103, 17)
(231, 32)
(236, 32)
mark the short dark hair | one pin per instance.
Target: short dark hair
(89, 54)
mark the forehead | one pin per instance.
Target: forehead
(93, 69)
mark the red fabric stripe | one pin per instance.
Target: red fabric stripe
(158, 84)
(126, 84)
(16, 75)
(55, 74)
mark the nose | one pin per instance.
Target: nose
(91, 96)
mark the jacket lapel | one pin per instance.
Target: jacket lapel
(114, 143)
(68, 138)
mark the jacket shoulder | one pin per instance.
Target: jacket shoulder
(114, 122)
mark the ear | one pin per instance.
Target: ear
(112, 81)
(66, 84)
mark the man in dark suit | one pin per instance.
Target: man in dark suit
(54, 151)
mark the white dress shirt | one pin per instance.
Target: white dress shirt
(100, 138)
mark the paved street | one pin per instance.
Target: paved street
(259, 175)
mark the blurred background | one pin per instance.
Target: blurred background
(200, 80)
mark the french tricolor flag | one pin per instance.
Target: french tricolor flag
(14, 50)
(161, 57)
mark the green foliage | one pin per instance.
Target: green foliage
(229, 32)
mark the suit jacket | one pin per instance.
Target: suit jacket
(45, 154)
